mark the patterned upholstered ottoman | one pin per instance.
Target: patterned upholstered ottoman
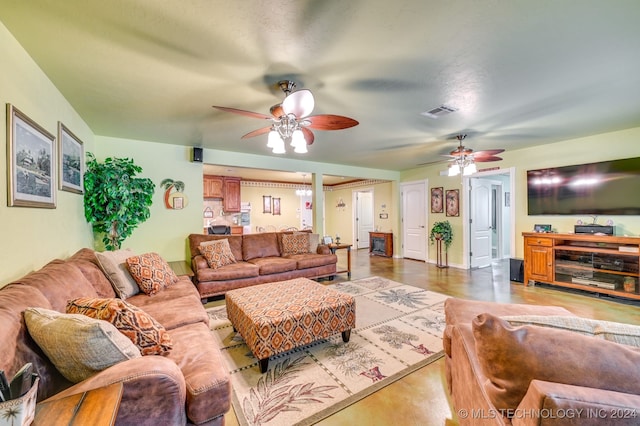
(277, 317)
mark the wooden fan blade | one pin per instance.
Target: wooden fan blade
(489, 152)
(257, 132)
(243, 112)
(486, 159)
(277, 111)
(308, 135)
(331, 122)
(299, 103)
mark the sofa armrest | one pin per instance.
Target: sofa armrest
(199, 262)
(154, 390)
(323, 249)
(548, 403)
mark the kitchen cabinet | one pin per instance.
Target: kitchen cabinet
(231, 200)
(213, 186)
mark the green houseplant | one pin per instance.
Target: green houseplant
(442, 231)
(115, 201)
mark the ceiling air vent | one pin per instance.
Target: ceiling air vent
(439, 111)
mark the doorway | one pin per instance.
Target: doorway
(363, 217)
(414, 220)
(489, 222)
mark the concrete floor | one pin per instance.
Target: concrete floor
(421, 398)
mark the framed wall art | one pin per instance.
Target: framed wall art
(266, 204)
(276, 206)
(71, 163)
(31, 160)
(436, 200)
(453, 202)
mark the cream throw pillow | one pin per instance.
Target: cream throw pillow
(114, 265)
(77, 345)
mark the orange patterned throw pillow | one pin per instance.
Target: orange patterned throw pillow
(144, 331)
(151, 272)
(218, 253)
(297, 243)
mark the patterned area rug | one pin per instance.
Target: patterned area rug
(398, 330)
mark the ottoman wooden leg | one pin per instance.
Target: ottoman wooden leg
(346, 335)
(264, 363)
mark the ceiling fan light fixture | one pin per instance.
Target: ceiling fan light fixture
(470, 169)
(454, 169)
(273, 139)
(297, 138)
(279, 147)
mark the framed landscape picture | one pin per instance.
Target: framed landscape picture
(436, 200)
(71, 164)
(31, 159)
(453, 202)
(266, 204)
(276, 206)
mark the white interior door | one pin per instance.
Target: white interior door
(364, 217)
(480, 223)
(414, 218)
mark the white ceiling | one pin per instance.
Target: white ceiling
(519, 72)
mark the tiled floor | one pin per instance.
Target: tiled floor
(421, 398)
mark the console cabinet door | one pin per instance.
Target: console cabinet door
(538, 260)
(231, 199)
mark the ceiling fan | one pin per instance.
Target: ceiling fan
(463, 159)
(291, 120)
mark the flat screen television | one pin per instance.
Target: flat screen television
(604, 188)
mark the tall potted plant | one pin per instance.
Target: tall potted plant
(442, 231)
(115, 201)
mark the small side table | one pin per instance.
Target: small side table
(334, 247)
(97, 407)
(181, 267)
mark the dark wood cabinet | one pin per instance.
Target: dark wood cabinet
(225, 188)
(605, 264)
(538, 264)
(231, 195)
(213, 186)
(381, 243)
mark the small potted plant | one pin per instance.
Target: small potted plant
(442, 231)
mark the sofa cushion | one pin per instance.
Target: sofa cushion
(114, 265)
(150, 337)
(235, 242)
(151, 272)
(510, 357)
(230, 272)
(274, 265)
(77, 345)
(311, 260)
(59, 281)
(206, 376)
(297, 243)
(625, 334)
(85, 259)
(174, 306)
(217, 252)
(264, 244)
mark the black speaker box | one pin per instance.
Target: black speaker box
(516, 270)
(197, 155)
(595, 229)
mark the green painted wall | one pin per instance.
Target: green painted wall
(607, 146)
(166, 231)
(32, 237)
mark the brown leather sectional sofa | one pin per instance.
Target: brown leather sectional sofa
(259, 259)
(189, 385)
(500, 373)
